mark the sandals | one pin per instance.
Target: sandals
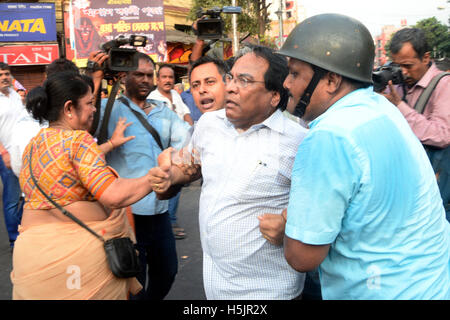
(178, 232)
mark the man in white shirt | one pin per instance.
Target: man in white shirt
(246, 157)
(11, 109)
(165, 81)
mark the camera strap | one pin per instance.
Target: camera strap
(426, 94)
(144, 122)
(103, 133)
(96, 113)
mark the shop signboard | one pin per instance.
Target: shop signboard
(22, 22)
(29, 54)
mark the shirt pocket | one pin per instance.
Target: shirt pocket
(262, 180)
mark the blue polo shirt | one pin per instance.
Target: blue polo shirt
(134, 158)
(363, 183)
(189, 101)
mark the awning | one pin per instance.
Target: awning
(179, 36)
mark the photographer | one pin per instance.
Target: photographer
(410, 50)
(155, 240)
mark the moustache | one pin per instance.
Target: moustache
(145, 86)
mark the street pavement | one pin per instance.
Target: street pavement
(188, 283)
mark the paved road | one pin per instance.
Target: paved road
(188, 284)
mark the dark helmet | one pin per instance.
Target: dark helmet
(335, 43)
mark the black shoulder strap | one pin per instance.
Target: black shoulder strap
(97, 112)
(103, 134)
(64, 211)
(425, 96)
(144, 122)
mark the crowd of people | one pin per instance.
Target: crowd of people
(313, 185)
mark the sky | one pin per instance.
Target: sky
(376, 13)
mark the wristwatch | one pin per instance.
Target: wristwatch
(92, 66)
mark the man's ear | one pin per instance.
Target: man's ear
(426, 58)
(333, 81)
(275, 99)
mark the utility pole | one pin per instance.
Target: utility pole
(279, 13)
(234, 27)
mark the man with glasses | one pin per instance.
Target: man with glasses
(245, 152)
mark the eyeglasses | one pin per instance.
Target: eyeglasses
(241, 81)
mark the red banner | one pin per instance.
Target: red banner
(29, 55)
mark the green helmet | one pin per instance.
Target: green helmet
(335, 43)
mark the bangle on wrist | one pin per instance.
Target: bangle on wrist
(112, 144)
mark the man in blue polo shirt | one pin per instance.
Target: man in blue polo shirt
(364, 203)
(155, 240)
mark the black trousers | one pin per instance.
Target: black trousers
(157, 254)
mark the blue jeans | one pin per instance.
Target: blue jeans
(12, 204)
(173, 207)
(157, 255)
(440, 160)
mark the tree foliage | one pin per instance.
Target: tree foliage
(437, 35)
(253, 19)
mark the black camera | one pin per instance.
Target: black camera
(211, 26)
(383, 74)
(122, 59)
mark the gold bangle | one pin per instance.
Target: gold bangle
(112, 145)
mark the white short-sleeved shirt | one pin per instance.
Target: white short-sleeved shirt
(177, 105)
(244, 176)
(25, 129)
(11, 109)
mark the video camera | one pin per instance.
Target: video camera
(383, 74)
(121, 59)
(211, 27)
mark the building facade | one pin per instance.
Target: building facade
(381, 41)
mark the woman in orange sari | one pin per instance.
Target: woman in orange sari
(54, 257)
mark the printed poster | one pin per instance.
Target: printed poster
(91, 23)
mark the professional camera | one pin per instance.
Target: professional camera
(122, 59)
(211, 27)
(383, 74)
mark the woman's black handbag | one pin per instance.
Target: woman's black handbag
(122, 257)
(120, 252)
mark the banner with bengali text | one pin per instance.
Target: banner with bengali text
(91, 23)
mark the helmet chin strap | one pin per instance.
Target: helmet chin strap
(300, 108)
